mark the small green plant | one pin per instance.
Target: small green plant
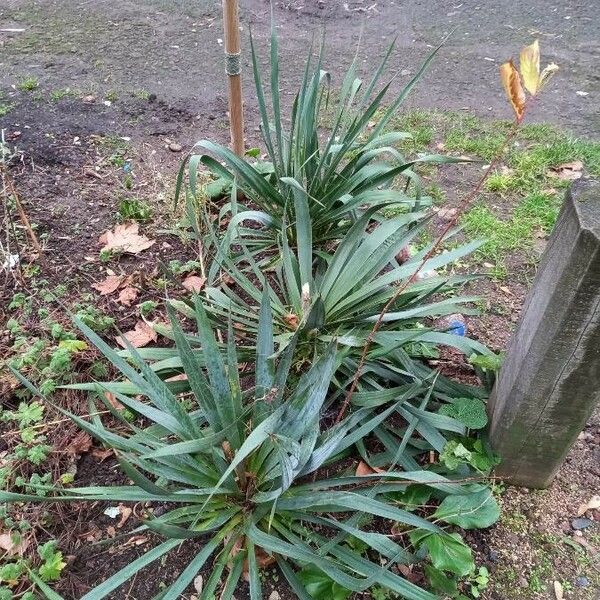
(142, 94)
(5, 107)
(59, 94)
(148, 307)
(14, 571)
(93, 318)
(178, 268)
(135, 209)
(28, 83)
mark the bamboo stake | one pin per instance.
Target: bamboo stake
(231, 25)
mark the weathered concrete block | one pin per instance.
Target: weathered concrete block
(550, 381)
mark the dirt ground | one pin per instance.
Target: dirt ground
(151, 72)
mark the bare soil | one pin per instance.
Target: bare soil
(161, 63)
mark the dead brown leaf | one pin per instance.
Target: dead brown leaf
(11, 548)
(193, 283)
(592, 504)
(108, 285)
(364, 469)
(112, 399)
(138, 337)
(102, 455)
(407, 572)
(511, 80)
(180, 377)
(80, 444)
(125, 238)
(567, 171)
(127, 296)
(125, 514)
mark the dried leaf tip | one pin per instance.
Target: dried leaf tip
(528, 77)
(514, 90)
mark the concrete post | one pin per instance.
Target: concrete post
(550, 381)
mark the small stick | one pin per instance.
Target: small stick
(8, 185)
(231, 26)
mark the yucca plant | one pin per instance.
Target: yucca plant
(240, 465)
(319, 295)
(354, 166)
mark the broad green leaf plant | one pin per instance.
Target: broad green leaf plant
(240, 465)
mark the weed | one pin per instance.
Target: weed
(93, 318)
(57, 95)
(142, 94)
(148, 307)
(111, 96)
(135, 209)
(28, 83)
(6, 107)
(178, 268)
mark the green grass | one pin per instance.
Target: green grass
(28, 83)
(525, 188)
(59, 94)
(5, 107)
(141, 94)
(536, 212)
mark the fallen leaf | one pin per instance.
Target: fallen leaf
(558, 591)
(567, 171)
(108, 285)
(7, 543)
(506, 290)
(180, 377)
(112, 400)
(102, 455)
(447, 213)
(138, 540)
(263, 560)
(549, 191)
(364, 469)
(125, 514)
(592, 504)
(125, 238)
(511, 80)
(193, 283)
(80, 444)
(93, 535)
(138, 337)
(127, 296)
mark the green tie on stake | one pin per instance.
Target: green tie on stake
(231, 26)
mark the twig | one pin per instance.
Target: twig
(9, 190)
